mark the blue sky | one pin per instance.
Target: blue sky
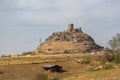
(23, 22)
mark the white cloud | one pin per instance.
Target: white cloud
(101, 13)
(58, 12)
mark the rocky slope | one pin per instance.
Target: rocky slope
(69, 41)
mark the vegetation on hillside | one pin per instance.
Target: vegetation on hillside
(114, 43)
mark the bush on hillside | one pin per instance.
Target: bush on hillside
(86, 59)
(27, 53)
(117, 58)
(108, 66)
(55, 78)
(41, 77)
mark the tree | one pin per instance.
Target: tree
(114, 43)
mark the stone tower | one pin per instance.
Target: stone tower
(79, 29)
(70, 27)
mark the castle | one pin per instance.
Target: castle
(69, 30)
(71, 40)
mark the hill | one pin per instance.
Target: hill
(72, 40)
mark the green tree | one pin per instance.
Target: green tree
(114, 43)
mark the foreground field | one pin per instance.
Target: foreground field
(112, 74)
(27, 67)
(29, 71)
(28, 59)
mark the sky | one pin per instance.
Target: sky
(24, 22)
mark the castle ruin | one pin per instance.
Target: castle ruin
(72, 40)
(72, 29)
(69, 30)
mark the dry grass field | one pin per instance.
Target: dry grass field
(27, 67)
(112, 74)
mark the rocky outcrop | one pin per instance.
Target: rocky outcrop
(69, 41)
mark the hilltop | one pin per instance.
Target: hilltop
(72, 40)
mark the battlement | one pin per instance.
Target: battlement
(69, 30)
(72, 29)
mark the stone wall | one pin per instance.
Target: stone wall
(57, 33)
(78, 30)
(72, 29)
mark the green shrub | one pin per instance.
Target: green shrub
(90, 68)
(108, 57)
(103, 60)
(117, 58)
(27, 53)
(3, 55)
(41, 77)
(86, 59)
(108, 66)
(55, 78)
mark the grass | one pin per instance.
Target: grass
(112, 74)
(28, 67)
(29, 71)
(41, 76)
(38, 59)
(1, 72)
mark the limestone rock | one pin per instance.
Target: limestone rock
(69, 41)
